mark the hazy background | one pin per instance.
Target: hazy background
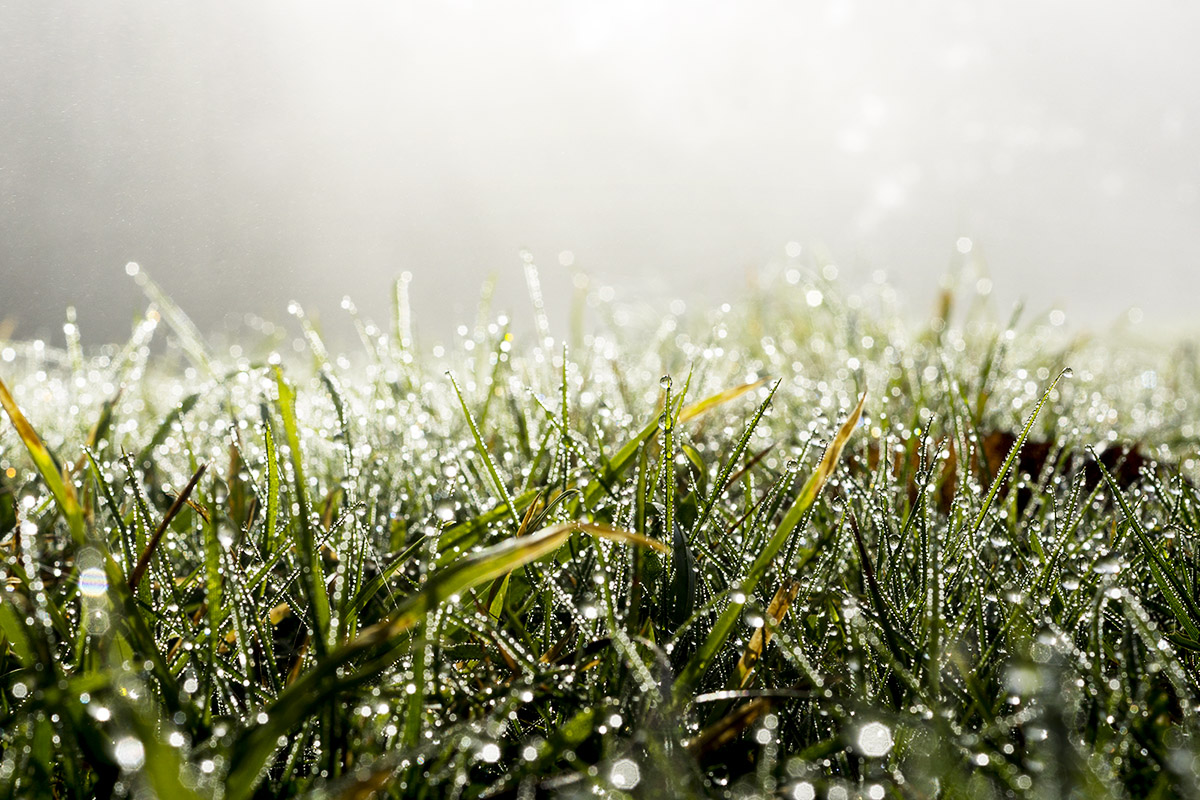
(248, 153)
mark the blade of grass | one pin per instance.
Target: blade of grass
(1181, 601)
(720, 398)
(143, 563)
(313, 578)
(625, 455)
(59, 486)
(381, 643)
(723, 480)
(189, 336)
(780, 603)
(700, 662)
(998, 481)
(497, 483)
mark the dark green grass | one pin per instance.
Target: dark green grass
(643, 564)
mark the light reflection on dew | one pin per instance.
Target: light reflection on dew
(93, 582)
(803, 791)
(408, 431)
(625, 774)
(875, 739)
(130, 753)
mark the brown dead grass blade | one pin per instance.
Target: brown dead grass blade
(143, 563)
(780, 603)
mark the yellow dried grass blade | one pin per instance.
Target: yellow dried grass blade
(60, 487)
(727, 729)
(780, 603)
(712, 401)
(699, 663)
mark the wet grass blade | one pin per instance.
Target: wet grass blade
(785, 595)
(723, 479)
(699, 663)
(498, 485)
(164, 429)
(681, 595)
(1006, 467)
(726, 730)
(690, 412)
(624, 456)
(380, 644)
(60, 487)
(143, 563)
(313, 577)
(190, 338)
(1183, 604)
(271, 536)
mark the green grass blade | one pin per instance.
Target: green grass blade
(1006, 467)
(699, 663)
(1183, 604)
(313, 576)
(497, 483)
(723, 479)
(380, 642)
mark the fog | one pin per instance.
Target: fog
(247, 154)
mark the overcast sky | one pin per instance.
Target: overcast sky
(246, 154)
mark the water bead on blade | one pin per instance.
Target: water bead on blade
(498, 572)
(875, 739)
(93, 582)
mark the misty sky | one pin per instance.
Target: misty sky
(246, 154)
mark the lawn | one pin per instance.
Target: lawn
(801, 545)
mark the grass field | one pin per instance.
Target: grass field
(795, 547)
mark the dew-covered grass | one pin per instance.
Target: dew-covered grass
(797, 546)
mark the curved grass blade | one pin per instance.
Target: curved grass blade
(60, 487)
(720, 398)
(699, 663)
(381, 644)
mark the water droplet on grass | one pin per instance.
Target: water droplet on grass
(875, 739)
(625, 774)
(130, 753)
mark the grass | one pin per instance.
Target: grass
(799, 547)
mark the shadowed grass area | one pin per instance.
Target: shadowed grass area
(799, 547)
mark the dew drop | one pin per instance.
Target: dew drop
(130, 753)
(875, 739)
(625, 774)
